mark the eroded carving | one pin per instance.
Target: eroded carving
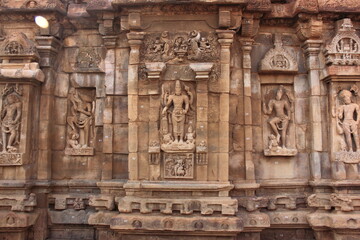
(344, 48)
(81, 122)
(194, 46)
(88, 60)
(279, 123)
(175, 114)
(278, 59)
(11, 111)
(178, 165)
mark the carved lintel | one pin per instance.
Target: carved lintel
(347, 157)
(102, 202)
(11, 159)
(176, 223)
(89, 151)
(19, 71)
(19, 203)
(154, 69)
(202, 70)
(48, 47)
(109, 41)
(280, 152)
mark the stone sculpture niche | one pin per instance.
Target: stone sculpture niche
(11, 113)
(81, 122)
(177, 129)
(347, 115)
(279, 110)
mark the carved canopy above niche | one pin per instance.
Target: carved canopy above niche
(344, 48)
(278, 59)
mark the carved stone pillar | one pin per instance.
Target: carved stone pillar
(312, 49)
(135, 40)
(249, 165)
(202, 71)
(225, 40)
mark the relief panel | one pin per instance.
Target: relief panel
(278, 129)
(80, 122)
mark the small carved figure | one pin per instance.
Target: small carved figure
(279, 123)
(166, 43)
(73, 140)
(158, 46)
(204, 44)
(179, 168)
(190, 135)
(348, 117)
(10, 123)
(180, 102)
(273, 143)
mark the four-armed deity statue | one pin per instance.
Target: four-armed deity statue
(173, 120)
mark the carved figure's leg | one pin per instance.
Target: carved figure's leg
(11, 138)
(356, 138)
(348, 138)
(285, 124)
(273, 123)
(4, 140)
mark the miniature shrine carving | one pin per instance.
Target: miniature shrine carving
(81, 123)
(174, 115)
(344, 47)
(11, 113)
(278, 59)
(279, 110)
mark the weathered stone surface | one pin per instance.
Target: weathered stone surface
(139, 120)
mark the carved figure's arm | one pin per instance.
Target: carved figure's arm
(341, 112)
(168, 104)
(287, 109)
(18, 113)
(186, 99)
(266, 110)
(357, 114)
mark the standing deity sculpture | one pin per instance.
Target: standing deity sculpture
(10, 123)
(348, 120)
(175, 109)
(279, 123)
(80, 121)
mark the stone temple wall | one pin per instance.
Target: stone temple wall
(180, 120)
